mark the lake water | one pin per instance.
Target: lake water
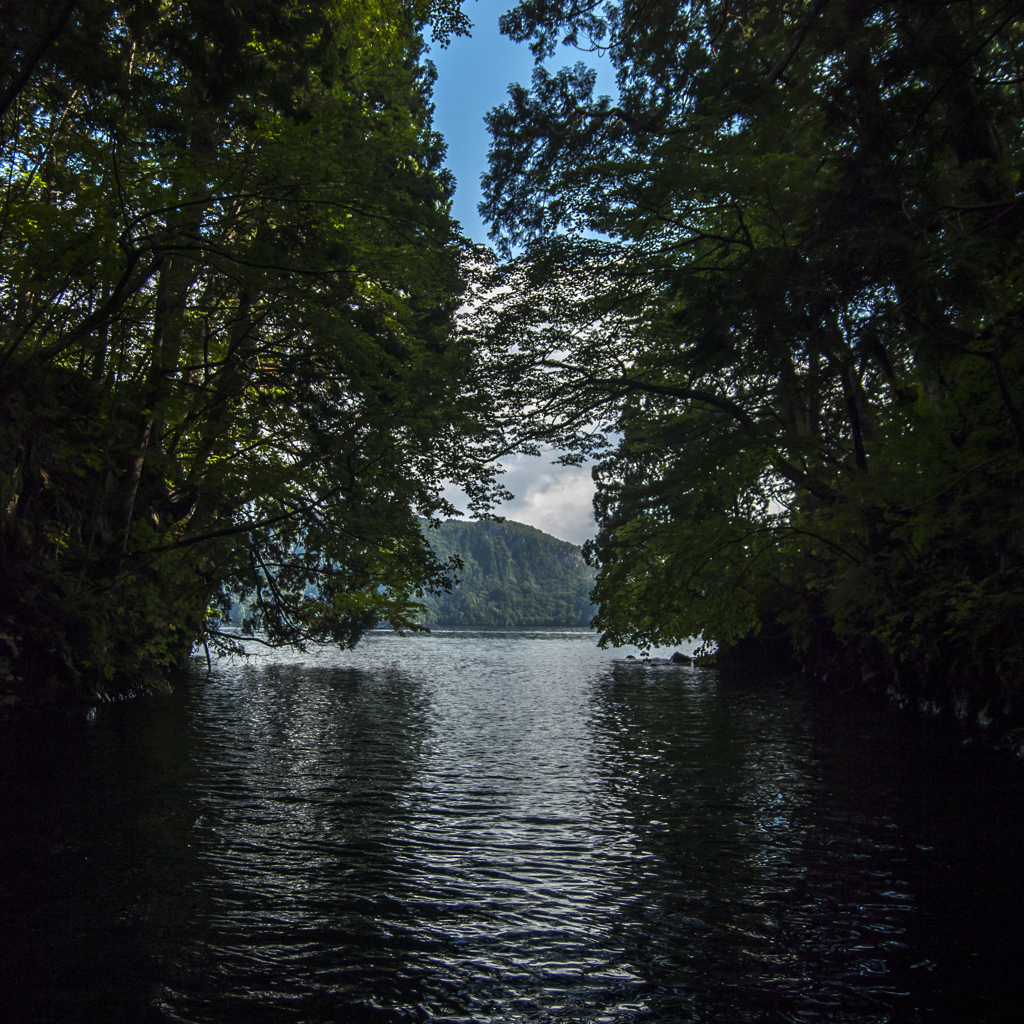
(503, 826)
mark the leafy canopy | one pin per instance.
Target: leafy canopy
(227, 278)
(784, 266)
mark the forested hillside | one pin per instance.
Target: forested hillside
(513, 575)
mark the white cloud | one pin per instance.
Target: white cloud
(555, 499)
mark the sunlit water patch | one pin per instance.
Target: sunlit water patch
(503, 827)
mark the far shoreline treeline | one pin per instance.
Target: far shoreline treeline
(512, 575)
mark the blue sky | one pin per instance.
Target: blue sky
(473, 75)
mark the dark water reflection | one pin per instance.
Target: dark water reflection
(507, 827)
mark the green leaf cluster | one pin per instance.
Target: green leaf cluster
(228, 273)
(778, 283)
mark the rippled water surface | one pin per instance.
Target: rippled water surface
(503, 827)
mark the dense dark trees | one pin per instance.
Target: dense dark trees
(784, 267)
(227, 275)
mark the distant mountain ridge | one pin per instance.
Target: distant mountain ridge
(515, 576)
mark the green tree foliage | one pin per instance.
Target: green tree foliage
(785, 267)
(227, 278)
(510, 575)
